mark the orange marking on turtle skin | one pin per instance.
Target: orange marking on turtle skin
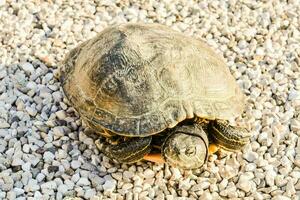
(213, 148)
(154, 157)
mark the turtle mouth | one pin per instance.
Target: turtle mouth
(184, 150)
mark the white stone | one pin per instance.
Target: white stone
(6, 182)
(109, 184)
(61, 114)
(176, 173)
(32, 186)
(244, 182)
(250, 156)
(3, 73)
(204, 185)
(57, 96)
(61, 154)
(48, 156)
(89, 193)
(40, 177)
(295, 125)
(27, 67)
(31, 111)
(17, 162)
(4, 124)
(18, 191)
(223, 184)
(127, 186)
(128, 174)
(26, 166)
(294, 94)
(83, 182)
(2, 194)
(97, 181)
(75, 177)
(280, 197)
(290, 189)
(70, 184)
(75, 164)
(148, 173)
(49, 185)
(270, 177)
(58, 132)
(11, 195)
(38, 195)
(206, 196)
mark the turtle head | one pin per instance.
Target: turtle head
(186, 147)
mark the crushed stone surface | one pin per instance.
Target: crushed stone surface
(44, 153)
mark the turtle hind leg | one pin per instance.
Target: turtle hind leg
(228, 137)
(129, 151)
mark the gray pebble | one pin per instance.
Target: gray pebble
(53, 168)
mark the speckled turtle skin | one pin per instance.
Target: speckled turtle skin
(137, 80)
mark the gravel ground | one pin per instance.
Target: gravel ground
(45, 153)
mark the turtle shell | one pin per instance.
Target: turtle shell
(139, 79)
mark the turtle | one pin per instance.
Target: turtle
(140, 84)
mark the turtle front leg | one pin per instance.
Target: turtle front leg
(127, 151)
(227, 137)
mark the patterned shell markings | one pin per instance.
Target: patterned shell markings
(138, 79)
